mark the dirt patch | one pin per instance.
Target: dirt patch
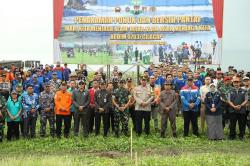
(162, 152)
(109, 154)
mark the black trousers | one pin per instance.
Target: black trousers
(111, 119)
(59, 120)
(241, 118)
(91, 119)
(105, 120)
(132, 114)
(13, 130)
(22, 126)
(142, 116)
(29, 126)
(225, 115)
(72, 116)
(84, 120)
(190, 116)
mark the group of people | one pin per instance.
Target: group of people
(59, 96)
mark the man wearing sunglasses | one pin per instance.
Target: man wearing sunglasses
(237, 100)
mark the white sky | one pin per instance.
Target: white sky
(26, 31)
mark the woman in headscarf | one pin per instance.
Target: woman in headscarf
(214, 114)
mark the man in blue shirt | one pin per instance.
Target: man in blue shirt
(190, 97)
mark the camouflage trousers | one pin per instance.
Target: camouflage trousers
(1, 130)
(123, 118)
(43, 122)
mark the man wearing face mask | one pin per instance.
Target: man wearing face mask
(237, 99)
(214, 114)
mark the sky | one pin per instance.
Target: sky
(26, 32)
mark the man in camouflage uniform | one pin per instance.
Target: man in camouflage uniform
(224, 87)
(2, 116)
(55, 82)
(46, 101)
(5, 87)
(121, 99)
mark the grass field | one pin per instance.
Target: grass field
(151, 150)
(100, 58)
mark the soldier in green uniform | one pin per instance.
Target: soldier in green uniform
(121, 99)
(224, 87)
(2, 116)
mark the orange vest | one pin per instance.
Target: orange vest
(63, 101)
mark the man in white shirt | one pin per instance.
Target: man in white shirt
(203, 91)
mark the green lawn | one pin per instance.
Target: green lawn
(100, 58)
(151, 150)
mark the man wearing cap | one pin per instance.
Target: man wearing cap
(14, 109)
(203, 73)
(143, 97)
(237, 100)
(110, 89)
(81, 101)
(66, 72)
(47, 74)
(246, 82)
(155, 104)
(46, 100)
(102, 103)
(167, 109)
(59, 71)
(190, 97)
(30, 103)
(224, 88)
(92, 105)
(5, 87)
(55, 82)
(37, 87)
(16, 81)
(130, 88)
(219, 78)
(63, 101)
(2, 116)
(203, 91)
(72, 86)
(121, 99)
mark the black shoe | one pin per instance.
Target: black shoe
(156, 130)
(116, 134)
(174, 135)
(126, 134)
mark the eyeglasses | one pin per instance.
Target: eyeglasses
(236, 81)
